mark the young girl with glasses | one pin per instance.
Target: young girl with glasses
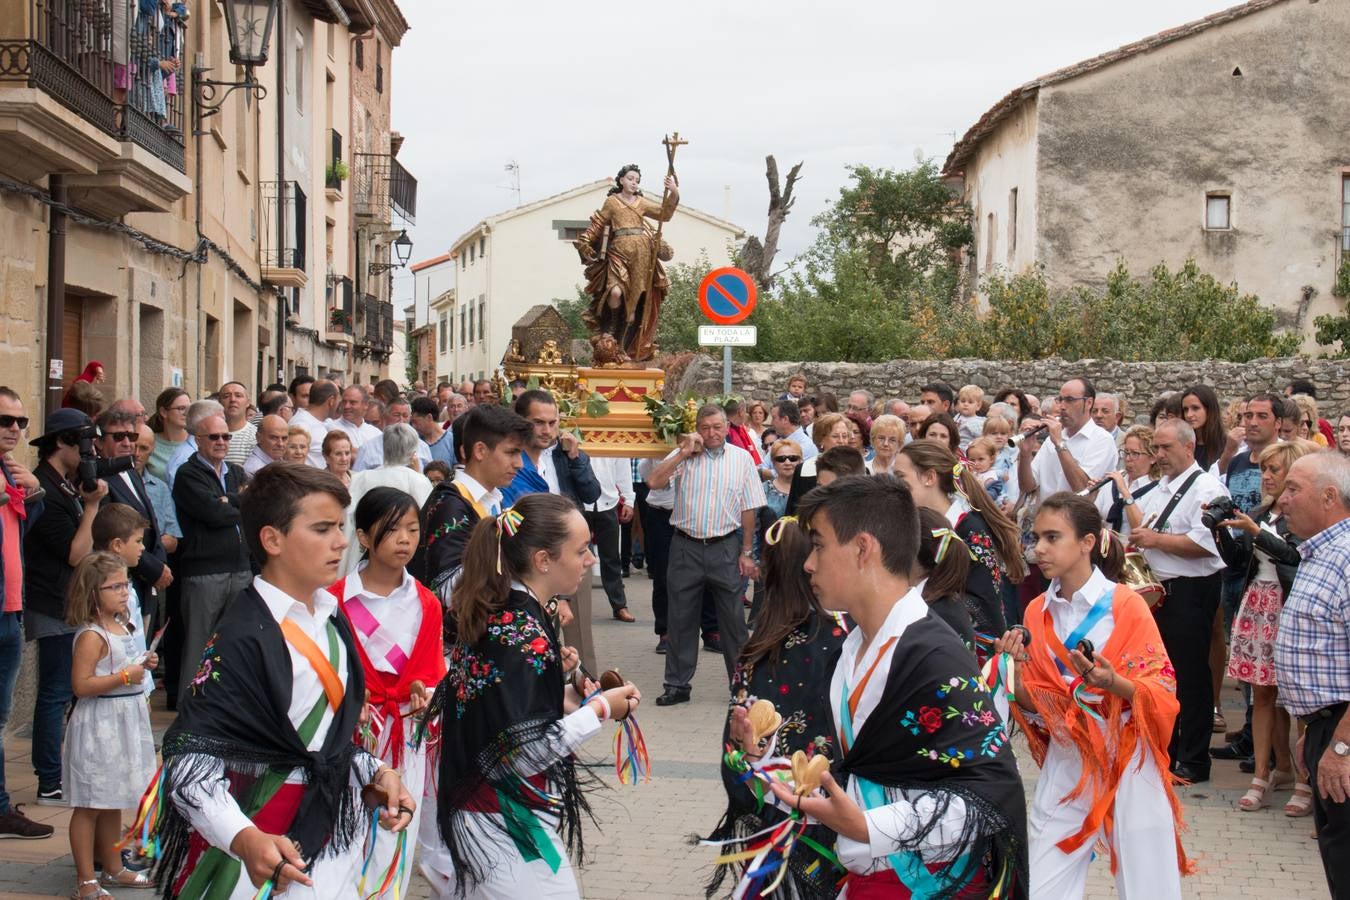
(109, 754)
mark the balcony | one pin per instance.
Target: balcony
(76, 98)
(341, 323)
(376, 328)
(383, 187)
(282, 229)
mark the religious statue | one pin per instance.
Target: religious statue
(623, 255)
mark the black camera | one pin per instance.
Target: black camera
(1220, 509)
(92, 468)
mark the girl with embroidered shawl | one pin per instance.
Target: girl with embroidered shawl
(397, 624)
(1098, 727)
(941, 482)
(925, 798)
(787, 661)
(509, 794)
(261, 780)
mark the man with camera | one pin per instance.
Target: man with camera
(1174, 529)
(52, 547)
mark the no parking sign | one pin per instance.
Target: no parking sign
(727, 296)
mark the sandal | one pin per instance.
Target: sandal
(98, 894)
(1255, 798)
(1299, 805)
(127, 879)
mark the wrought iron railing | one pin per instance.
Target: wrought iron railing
(283, 225)
(383, 187)
(115, 67)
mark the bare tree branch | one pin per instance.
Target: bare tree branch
(780, 204)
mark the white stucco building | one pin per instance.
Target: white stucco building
(509, 262)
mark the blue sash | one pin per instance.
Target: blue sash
(527, 481)
(1099, 609)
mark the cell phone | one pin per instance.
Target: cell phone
(1085, 647)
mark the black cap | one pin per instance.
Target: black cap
(62, 420)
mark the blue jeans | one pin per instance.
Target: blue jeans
(49, 712)
(11, 655)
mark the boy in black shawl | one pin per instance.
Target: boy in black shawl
(925, 798)
(261, 780)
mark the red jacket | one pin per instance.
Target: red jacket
(739, 436)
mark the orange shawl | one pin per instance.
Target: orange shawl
(1135, 650)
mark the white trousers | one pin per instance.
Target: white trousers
(1143, 835)
(509, 877)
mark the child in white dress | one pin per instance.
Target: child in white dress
(109, 752)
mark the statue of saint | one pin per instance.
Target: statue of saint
(623, 254)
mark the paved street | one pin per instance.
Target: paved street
(642, 849)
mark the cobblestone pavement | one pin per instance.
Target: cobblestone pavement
(641, 847)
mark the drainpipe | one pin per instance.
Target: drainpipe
(282, 302)
(56, 291)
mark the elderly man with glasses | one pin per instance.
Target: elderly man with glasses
(213, 559)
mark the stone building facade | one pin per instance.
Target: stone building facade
(1222, 139)
(1140, 383)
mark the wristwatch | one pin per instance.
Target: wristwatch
(749, 553)
(1340, 748)
(1061, 447)
(1127, 501)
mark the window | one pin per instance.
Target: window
(299, 73)
(462, 329)
(1345, 213)
(471, 253)
(450, 329)
(482, 246)
(470, 323)
(360, 54)
(443, 343)
(482, 316)
(989, 244)
(1012, 224)
(463, 260)
(1218, 212)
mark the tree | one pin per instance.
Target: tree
(756, 258)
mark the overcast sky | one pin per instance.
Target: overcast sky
(572, 91)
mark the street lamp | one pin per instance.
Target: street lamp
(249, 26)
(402, 249)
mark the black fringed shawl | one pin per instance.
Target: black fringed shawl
(235, 712)
(501, 709)
(935, 732)
(798, 684)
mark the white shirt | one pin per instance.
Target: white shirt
(1091, 447)
(898, 820)
(1104, 498)
(1067, 614)
(656, 499)
(1185, 520)
(399, 614)
(491, 500)
(317, 432)
(211, 809)
(371, 454)
(357, 434)
(256, 460)
(547, 470)
(615, 475)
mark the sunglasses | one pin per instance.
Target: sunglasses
(787, 459)
(11, 421)
(118, 435)
(217, 437)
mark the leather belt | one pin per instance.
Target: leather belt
(711, 540)
(1335, 711)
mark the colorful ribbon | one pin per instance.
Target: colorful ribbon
(393, 874)
(1000, 673)
(147, 816)
(1078, 688)
(508, 524)
(630, 752)
(774, 533)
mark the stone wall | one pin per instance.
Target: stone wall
(1140, 382)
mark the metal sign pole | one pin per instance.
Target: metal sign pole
(726, 370)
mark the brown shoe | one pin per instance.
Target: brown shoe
(623, 615)
(16, 826)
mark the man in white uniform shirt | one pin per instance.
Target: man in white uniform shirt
(323, 402)
(1166, 526)
(1076, 452)
(352, 421)
(371, 455)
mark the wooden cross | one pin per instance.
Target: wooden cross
(673, 143)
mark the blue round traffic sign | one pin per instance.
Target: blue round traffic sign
(727, 296)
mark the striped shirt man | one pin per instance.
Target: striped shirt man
(1312, 646)
(713, 489)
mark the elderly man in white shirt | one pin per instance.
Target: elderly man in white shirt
(352, 419)
(271, 444)
(398, 440)
(615, 507)
(371, 454)
(1166, 525)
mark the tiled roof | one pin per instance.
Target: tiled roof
(965, 148)
(428, 263)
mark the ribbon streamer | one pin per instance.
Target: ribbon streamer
(630, 752)
(1000, 672)
(393, 874)
(1078, 688)
(774, 533)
